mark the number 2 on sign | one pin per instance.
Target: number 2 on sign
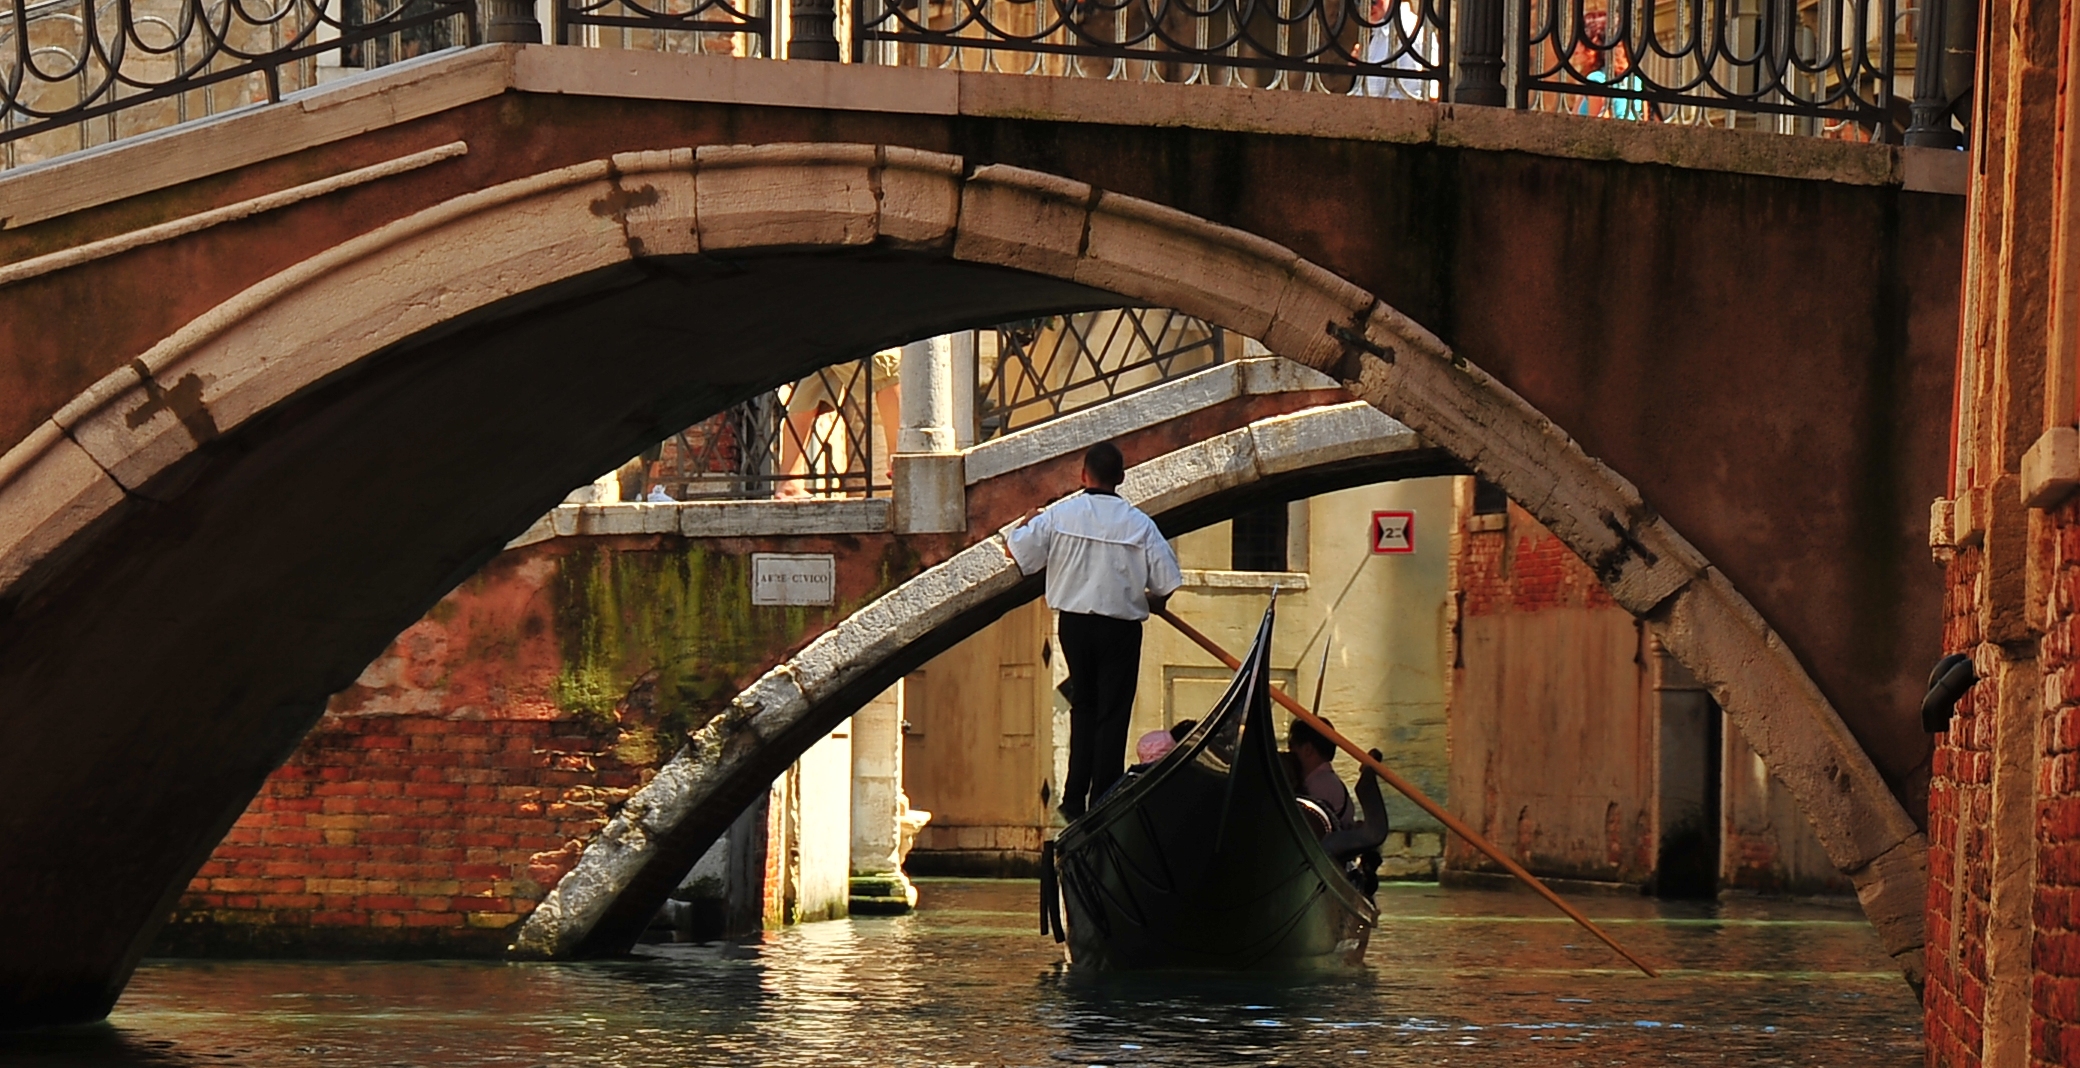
(1393, 532)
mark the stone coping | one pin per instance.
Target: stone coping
(711, 519)
(1209, 579)
(1140, 410)
(406, 91)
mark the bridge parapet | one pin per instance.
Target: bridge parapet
(87, 75)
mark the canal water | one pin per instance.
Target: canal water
(1456, 977)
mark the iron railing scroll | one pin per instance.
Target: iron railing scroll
(1366, 47)
(708, 27)
(76, 73)
(1826, 66)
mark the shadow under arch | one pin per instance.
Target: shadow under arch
(201, 548)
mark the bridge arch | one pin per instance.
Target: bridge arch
(168, 500)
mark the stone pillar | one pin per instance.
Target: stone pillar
(879, 807)
(931, 492)
(927, 385)
(823, 828)
(962, 383)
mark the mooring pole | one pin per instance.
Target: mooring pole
(1409, 791)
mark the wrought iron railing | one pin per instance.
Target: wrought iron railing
(833, 433)
(707, 27)
(1369, 47)
(76, 73)
(827, 435)
(1040, 369)
(1825, 66)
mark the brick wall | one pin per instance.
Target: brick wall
(1959, 805)
(2055, 943)
(411, 833)
(444, 793)
(1523, 568)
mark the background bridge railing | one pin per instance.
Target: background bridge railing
(77, 73)
(1369, 47)
(832, 433)
(1796, 66)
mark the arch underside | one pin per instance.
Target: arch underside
(201, 549)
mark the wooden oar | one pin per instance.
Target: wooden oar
(1409, 791)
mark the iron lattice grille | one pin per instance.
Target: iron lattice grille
(1826, 66)
(706, 27)
(1033, 371)
(76, 73)
(832, 433)
(826, 435)
(1370, 47)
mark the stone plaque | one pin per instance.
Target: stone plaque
(793, 578)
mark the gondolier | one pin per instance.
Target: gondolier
(1105, 561)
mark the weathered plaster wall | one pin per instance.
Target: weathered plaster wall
(1553, 743)
(1574, 743)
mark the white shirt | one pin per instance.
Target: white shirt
(1103, 556)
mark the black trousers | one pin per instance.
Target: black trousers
(1104, 659)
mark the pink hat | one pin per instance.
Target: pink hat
(1153, 746)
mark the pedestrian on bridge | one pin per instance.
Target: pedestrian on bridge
(1105, 562)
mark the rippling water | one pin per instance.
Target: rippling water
(1456, 977)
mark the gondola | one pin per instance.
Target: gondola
(1204, 860)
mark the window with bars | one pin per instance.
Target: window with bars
(1258, 539)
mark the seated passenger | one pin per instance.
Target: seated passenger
(1362, 839)
(1312, 756)
(1153, 746)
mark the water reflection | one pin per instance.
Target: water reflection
(1456, 978)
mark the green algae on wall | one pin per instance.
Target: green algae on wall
(667, 635)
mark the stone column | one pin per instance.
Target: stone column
(931, 491)
(879, 807)
(962, 383)
(927, 386)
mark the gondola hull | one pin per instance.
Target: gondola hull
(1205, 862)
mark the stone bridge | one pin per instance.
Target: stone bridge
(276, 381)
